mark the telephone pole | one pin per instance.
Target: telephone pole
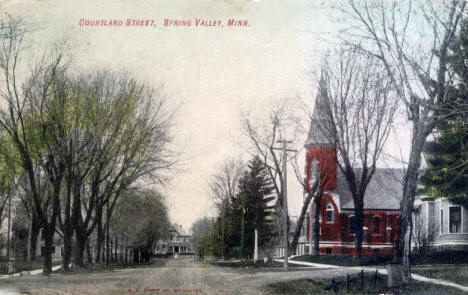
(284, 192)
(10, 263)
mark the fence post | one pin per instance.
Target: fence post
(375, 276)
(347, 283)
(362, 279)
(393, 275)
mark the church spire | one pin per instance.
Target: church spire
(321, 131)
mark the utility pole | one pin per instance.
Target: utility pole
(9, 228)
(284, 192)
(10, 263)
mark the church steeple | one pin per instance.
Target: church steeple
(321, 131)
(320, 142)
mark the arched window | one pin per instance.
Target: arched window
(330, 213)
(352, 225)
(376, 225)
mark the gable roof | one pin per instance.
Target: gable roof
(178, 229)
(383, 192)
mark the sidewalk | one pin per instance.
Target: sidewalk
(382, 271)
(29, 272)
(321, 265)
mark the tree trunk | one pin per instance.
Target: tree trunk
(111, 251)
(80, 247)
(242, 236)
(89, 256)
(68, 227)
(99, 244)
(48, 235)
(116, 247)
(100, 235)
(67, 249)
(33, 235)
(49, 229)
(407, 201)
(358, 215)
(29, 246)
(107, 235)
(316, 229)
(68, 221)
(135, 255)
(300, 222)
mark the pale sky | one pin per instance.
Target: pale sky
(214, 73)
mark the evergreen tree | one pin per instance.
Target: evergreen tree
(448, 172)
(252, 203)
(455, 110)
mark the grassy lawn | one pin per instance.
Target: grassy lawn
(448, 257)
(304, 287)
(453, 273)
(343, 260)
(21, 265)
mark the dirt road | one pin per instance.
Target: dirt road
(176, 276)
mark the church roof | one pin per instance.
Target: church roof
(321, 126)
(383, 192)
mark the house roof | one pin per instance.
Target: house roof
(178, 229)
(383, 192)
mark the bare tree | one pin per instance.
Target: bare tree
(224, 186)
(413, 42)
(263, 138)
(360, 106)
(16, 119)
(224, 182)
(131, 146)
(201, 229)
(311, 186)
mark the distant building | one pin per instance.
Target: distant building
(19, 234)
(177, 241)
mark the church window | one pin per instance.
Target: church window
(455, 219)
(330, 213)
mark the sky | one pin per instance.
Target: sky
(212, 75)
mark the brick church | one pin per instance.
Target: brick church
(337, 227)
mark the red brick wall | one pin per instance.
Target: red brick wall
(326, 158)
(336, 239)
(337, 234)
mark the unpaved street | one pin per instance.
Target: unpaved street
(176, 276)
